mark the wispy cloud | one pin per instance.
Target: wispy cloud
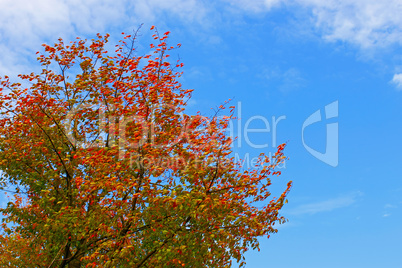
(25, 25)
(387, 208)
(390, 206)
(397, 81)
(255, 5)
(187, 10)
(287, 80)
(365, 23)
(324, 206)
(292, 80)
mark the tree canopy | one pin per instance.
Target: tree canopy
(104, 168)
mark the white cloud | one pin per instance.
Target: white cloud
(26, 21)
(397, 81)
(366, 23)
(324, 206)
(25, 25)
(255, 5)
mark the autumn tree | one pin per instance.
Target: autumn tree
(103, 168)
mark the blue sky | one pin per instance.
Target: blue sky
(281, 60)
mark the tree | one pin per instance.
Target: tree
(107, 170)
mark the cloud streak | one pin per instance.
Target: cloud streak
(255, 5)
(324, 206)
